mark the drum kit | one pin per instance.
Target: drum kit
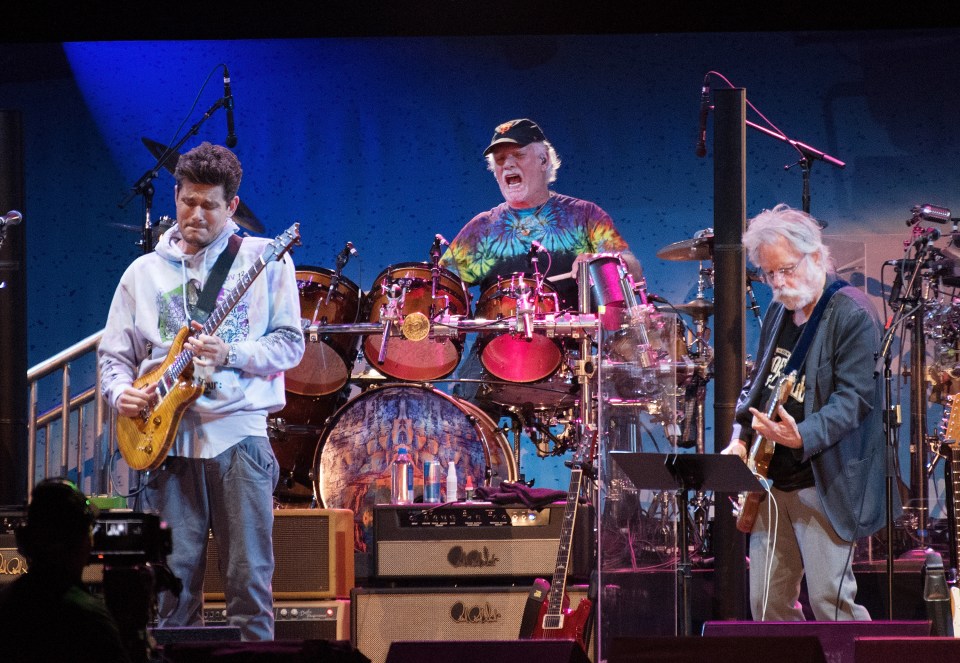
(367, 383)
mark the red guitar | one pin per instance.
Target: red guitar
(557, 621)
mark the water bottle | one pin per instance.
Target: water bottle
(401, 478)
(451, 482)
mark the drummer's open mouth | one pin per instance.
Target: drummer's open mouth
(512, 179)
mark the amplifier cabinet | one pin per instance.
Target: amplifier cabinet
(12, 563)
(380, 617)
(312, 551)
(477, 541)
(296, 620)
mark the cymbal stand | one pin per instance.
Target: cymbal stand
(144, 185)
(702, 356)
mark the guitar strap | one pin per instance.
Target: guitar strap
(208, 297)
(806, 337)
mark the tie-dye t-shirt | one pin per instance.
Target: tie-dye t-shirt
(497, 243)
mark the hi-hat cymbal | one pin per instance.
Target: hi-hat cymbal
(698, 308)
(698, 248)
(243, 216)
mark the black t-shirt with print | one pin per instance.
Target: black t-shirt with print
(787, 470)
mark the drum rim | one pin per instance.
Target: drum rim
(310, 269)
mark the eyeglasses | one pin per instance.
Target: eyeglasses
(785, 272)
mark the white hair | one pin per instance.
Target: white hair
(796, 226)
(543, 149)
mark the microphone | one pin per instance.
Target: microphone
(11, 218)
(537, 247)
(231, 140)
(930, 213)
(441, 240)
(704, 109)
(348, 251)
(926, 236)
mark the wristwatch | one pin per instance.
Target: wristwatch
(231, 357)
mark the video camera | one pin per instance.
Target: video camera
(124, 537)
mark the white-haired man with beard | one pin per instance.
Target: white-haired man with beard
(828, 467)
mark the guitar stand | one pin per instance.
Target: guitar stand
(686, 472)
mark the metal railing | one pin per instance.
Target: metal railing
(74, 438)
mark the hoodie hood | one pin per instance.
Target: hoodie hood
(168, 247)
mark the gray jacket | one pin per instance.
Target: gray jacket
(842, 429)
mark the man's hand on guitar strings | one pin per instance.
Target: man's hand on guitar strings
(133, 401)
(211, 349)
(782, 431)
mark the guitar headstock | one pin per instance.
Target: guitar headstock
(283, 243)
(950, 426)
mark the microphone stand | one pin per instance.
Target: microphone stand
(144, 185)
(808, 155)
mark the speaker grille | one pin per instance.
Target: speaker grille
(313, 555)
(382, 616)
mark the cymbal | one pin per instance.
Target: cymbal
(243, 216)
(698, 248)
(698, 308)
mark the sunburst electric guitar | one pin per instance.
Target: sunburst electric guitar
(557, 621)
(761, 451)
(145, 439)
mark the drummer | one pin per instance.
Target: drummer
(498, 242)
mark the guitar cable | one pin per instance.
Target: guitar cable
(773, 524)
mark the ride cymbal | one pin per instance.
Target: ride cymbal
(243, 216)
(698, 308)
(698, 248)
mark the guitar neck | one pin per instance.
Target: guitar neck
(558, 585)
(212, 323)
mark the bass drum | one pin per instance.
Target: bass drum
(328, 358)
(425, 359)
(352, 463)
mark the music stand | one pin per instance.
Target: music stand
(686, 472)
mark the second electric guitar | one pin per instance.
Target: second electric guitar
(761, 451)
(145, 439)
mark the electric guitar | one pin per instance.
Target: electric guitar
(556, 620)
(760, 454)
(145, 439)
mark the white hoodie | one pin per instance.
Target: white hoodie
(150, 306)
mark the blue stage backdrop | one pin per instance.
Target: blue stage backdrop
(378, 141)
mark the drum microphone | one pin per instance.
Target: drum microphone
(11, 218)
(348, 251)
(441, 240)
(929, 213)
(231, 140)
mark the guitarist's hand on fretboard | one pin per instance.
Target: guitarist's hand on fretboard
(213, 348)
(133, 401)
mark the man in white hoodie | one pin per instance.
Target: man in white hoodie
(220, 472)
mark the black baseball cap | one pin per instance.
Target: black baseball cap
(519, 132)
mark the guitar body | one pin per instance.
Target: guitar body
(750, 502)
(144, 440)
(761, 453)
(571, 626)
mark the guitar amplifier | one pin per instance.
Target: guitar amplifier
(477, 540)
(296, 620)
(381, 616)
(312, 551)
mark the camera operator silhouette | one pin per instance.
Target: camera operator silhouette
(47, 614)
